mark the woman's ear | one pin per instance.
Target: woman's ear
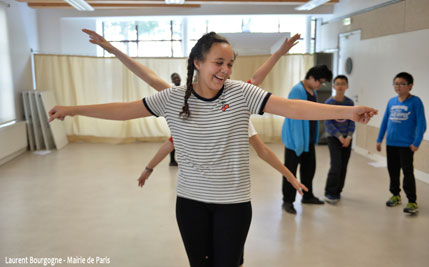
(197, 64)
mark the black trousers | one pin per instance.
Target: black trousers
(401, 158)
(337, 173)
(307, 162)
(213, 234)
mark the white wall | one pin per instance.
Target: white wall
(22, 27)
(73, 40)
(345, 7)
(378, 60)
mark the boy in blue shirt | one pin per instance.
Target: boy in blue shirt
(405, 123)
(340, 133)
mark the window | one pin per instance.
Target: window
(146, 38)
(164, 37)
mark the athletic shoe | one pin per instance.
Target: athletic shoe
(289, 208)
(332, 199)
(313, 200)
(393, 201)
(411, 208)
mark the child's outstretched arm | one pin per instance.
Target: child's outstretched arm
(268, 65)
(110, 111)
(163, 151)
(265, 153)
(140, 70)
(308, 110)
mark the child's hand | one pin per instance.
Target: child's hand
(346, 142)
(378, 147)
(59, 112)
(143, 177)
(414, 148)
(363, 114)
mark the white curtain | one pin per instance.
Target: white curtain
(77, 80)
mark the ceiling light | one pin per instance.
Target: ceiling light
(80, 5)
(174, 2)
(311, 4)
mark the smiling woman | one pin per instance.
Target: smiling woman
(209, 121)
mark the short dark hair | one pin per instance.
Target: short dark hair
(342, 77)
(406, 76)
(174, 74)
(319, 72)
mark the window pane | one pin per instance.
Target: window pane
(177, 49)
(190, 45)
(224, 24)
(154, 30)
(196, 28)
(177, 29)
(132, 49)
(293, 24)
(262, 24)
(119, 31)
(154, 49)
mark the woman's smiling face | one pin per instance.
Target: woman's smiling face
(216, 66)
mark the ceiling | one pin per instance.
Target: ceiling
(118, 4)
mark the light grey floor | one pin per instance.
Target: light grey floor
(84, 201)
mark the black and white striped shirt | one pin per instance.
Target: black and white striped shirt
(212, 145)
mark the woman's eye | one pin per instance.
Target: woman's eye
(219, 63)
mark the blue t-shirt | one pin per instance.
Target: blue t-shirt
(404, 122)
(343, 127)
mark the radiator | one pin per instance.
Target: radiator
(13, 141)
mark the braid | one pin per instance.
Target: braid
(189, 86)
(198, 52)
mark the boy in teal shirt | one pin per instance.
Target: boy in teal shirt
(405, 123)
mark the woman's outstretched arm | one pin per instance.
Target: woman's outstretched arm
(265, 153)
(138, 69)
(262, 72)
(163, 151)
(308, 110)
(110, 111)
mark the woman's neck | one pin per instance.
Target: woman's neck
(204, 91)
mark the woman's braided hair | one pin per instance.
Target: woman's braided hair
(198, 52)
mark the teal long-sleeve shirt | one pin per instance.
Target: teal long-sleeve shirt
(404, 122)
(296, 133)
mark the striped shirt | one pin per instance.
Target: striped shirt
(338, 128)
(212, 145)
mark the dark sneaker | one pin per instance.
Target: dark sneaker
(289, 208)
(411, 208)
(393, 201)
(332, 199)
(173, 163)
(313, 200)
